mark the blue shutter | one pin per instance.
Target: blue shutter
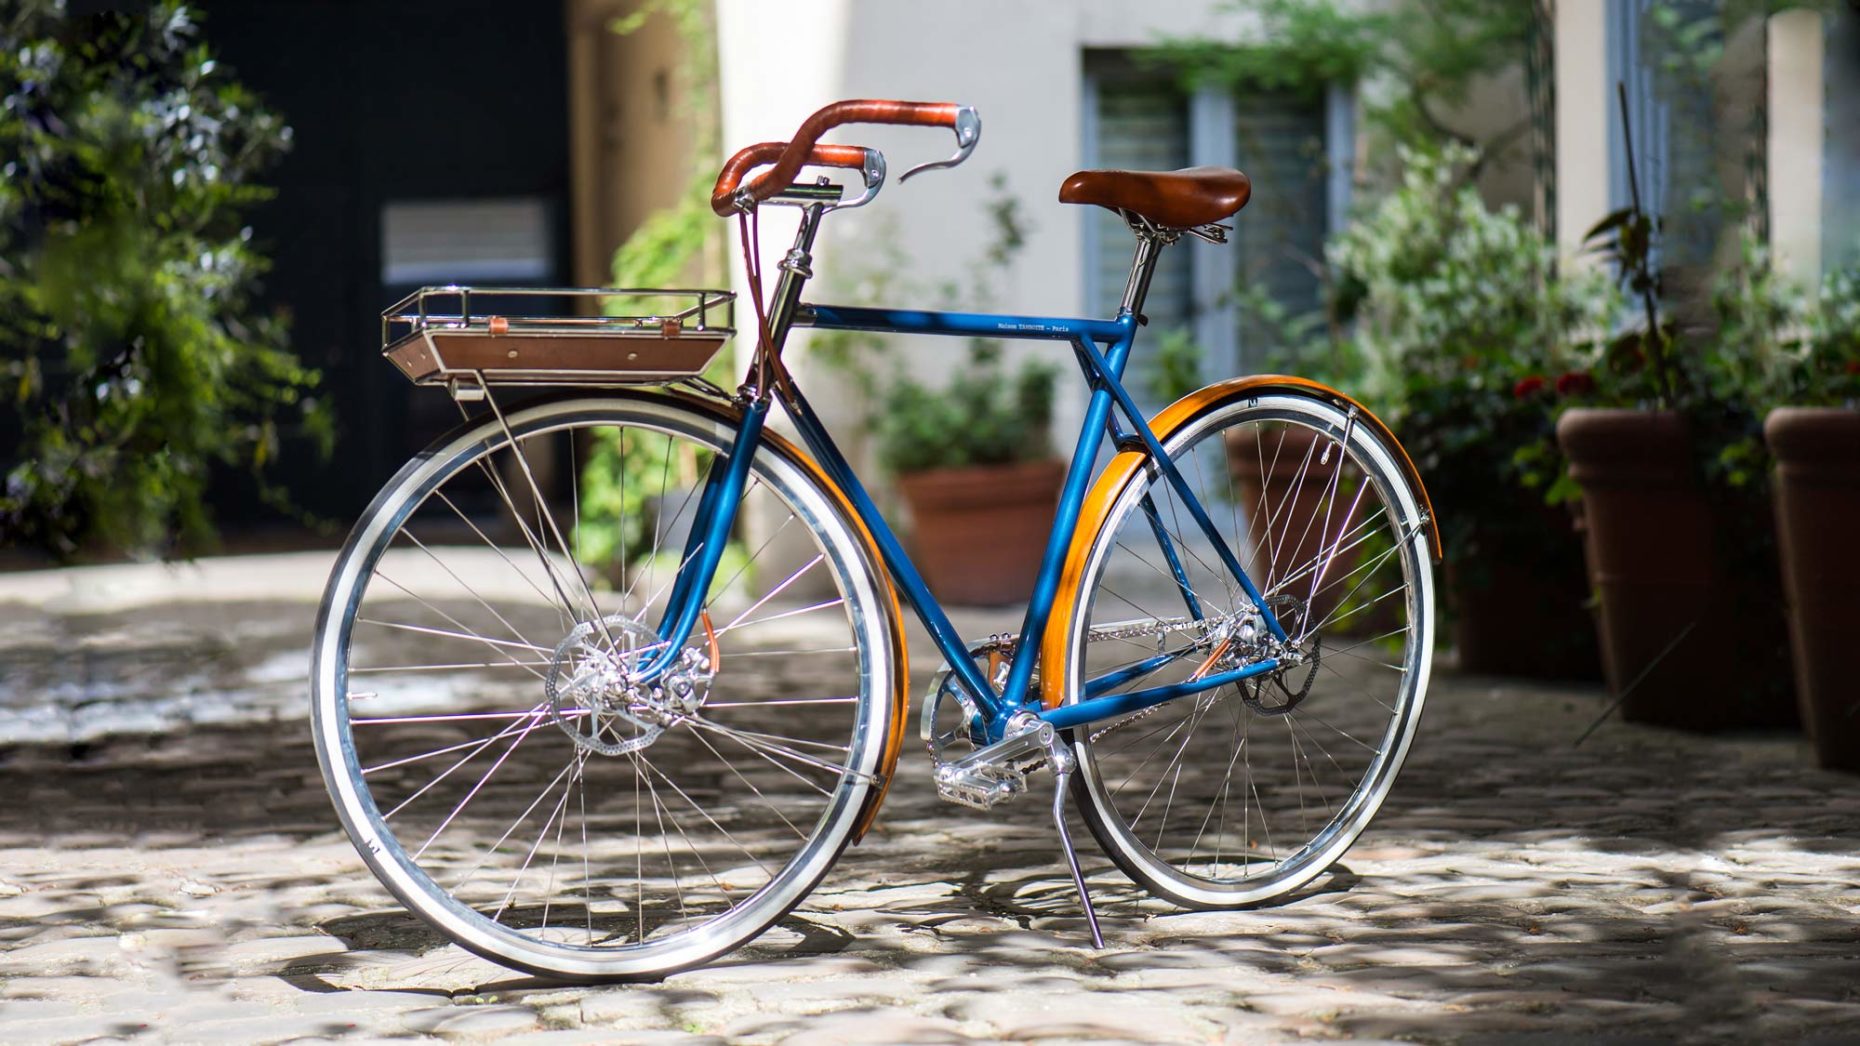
(1140, 123)
(1279, 141)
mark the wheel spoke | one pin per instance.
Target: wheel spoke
(1331, 537)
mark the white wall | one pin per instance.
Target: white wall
(1583, 98)
(1017, 61)
(1797, 142)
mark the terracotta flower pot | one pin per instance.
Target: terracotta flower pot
(1817, 497)
(1524, 618)
(1675, 634)
(978, 532)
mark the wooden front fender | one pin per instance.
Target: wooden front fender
(1125, 466)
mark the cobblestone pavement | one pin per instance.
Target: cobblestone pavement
(170, 869)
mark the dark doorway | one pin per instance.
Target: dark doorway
(431, 145)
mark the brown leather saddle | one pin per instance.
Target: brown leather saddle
(1171, 199)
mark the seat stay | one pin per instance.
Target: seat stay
(1160, 459)
(1148, 505)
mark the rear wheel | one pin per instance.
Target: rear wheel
(483, 738)
(1242, 794)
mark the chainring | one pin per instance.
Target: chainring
(950, 718)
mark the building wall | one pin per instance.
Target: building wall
(1018, 62)
(1796, 97)
(1583, 98)
(634, 122)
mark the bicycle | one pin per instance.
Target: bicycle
(697, 752)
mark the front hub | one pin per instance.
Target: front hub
(593, 689)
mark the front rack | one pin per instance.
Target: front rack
(466, 338)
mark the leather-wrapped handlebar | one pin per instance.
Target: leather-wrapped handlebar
(789, 158)
(764, 153)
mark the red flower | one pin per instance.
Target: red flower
(1853, 366)
(1575, 383)
(1528, 386)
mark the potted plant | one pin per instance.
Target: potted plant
(1466, 338)
(1801, 363)
(976, 469)
(1685, 618)
(973, 457)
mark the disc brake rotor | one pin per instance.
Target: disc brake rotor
(590, 695)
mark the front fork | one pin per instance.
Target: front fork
(697, 565)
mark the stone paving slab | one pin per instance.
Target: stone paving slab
(181, 878)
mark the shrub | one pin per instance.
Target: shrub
(1470, 340)
(979, 418)
(129, 338)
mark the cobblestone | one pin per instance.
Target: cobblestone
(170, 870)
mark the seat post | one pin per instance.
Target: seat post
(1142, 267)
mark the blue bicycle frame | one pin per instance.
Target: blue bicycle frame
(1103, 371)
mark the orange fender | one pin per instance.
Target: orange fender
(1125, 465)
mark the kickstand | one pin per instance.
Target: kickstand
(1062, 780)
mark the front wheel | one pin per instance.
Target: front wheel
(483, 733)
(1240, 795)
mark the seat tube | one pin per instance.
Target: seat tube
(1066, 520)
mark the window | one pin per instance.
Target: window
(1279, 239)
(1136, 120)
(458, 241)
(1297, 152)
(1699, 131)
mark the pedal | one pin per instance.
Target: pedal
(991, 776)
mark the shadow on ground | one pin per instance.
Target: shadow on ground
(1645, 886)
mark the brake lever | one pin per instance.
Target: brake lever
(871, 170)
(874, 174)
(968, 132)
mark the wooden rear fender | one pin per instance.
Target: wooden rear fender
(900, 663)
(1124, 466)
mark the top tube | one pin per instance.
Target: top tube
(962, 324)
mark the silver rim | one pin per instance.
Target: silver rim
(482, 743)
(1248, 792)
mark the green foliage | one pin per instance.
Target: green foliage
(985, 415)
(982, 417)
(661, 252)
(1780, 343)
(1426, 51)
(1777, 343)
(1467, 340)
(617, 515)
(1175, 365)
(130, 343)
(617, 469)
(1443, 291)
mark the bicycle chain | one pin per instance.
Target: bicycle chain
(1158, 629)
